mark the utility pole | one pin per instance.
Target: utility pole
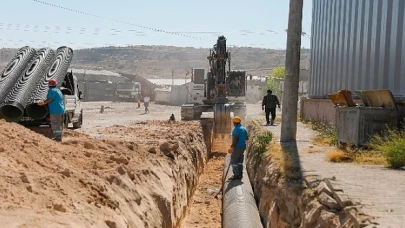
(172, 77)
(292, 71)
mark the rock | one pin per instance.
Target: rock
(328, 201)
(87, 154)
(312, 214)
(323, 188)
(24, 178)
(121, 170)
(88, 145)
(333, 185)
(65, 172)
(2, 150)
(342, 199)
(120, 160)
(152, 150)
(311, 181)
(165, 146)
(329, 220)
(29, 188)
(59, 207)
(111, 224)
(352, 214)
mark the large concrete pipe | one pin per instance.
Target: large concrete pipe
(14, 69)
(239, 207)
(21, 92)
(57, 71)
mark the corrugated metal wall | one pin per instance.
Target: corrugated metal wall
(357, 45)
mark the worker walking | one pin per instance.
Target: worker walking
(146, 101)
(54, 100)
(269, 105)
(238, 147)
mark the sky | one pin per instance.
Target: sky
(247, 23)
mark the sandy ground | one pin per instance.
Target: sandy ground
(121, 175)
(205, 211)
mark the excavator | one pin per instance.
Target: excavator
(224, 91)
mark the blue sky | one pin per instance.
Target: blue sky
(244, 23)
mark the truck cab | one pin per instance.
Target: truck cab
(128, 91)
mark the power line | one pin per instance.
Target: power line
(117, 21)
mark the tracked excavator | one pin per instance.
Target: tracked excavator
(222, 91)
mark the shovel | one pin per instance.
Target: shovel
(223, 181)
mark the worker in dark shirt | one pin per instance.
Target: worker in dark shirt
(269, 104)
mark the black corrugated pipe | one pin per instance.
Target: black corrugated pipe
(20, 93)
(58, 70)
(239, 209)
(14, 69)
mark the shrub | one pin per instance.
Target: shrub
(392, 145)
(326, 134)
(263, 139)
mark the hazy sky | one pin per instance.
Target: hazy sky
(254, 23)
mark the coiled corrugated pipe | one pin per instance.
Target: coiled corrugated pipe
(14, 69)
(21, 92)
(239, 209)
(58, 71)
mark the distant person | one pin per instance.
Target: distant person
(269, 104)
(238, 147)
(146, 101)
(138, 99)
(54, 100)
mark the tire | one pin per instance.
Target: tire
(78, 124)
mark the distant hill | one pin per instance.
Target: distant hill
(159, 61)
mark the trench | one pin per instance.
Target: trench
(285, 197)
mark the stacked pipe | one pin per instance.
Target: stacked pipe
(239, 207)
(19, 95)
(14, 69)
(57, 71)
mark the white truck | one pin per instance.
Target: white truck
(128, 91)
(73, 108)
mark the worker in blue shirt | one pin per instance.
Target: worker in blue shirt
(56, 107)
(238, 147)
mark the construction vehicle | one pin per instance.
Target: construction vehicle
(128, 91)
(221, 92)
(72, 96)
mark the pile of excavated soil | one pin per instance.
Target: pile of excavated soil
(137, 176)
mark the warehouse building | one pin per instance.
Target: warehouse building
(355, 45)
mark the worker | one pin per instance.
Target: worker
(138, 99)
(54, 100)
(269, 104)
(146, 101)
(238, 147)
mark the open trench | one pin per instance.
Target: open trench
(150, 174)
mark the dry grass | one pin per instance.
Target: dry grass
(371, 158)
(338, 155)
(362, 157)
(282, 156)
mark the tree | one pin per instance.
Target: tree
(279, 72)
(274, 83)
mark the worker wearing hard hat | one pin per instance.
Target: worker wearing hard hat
(238, 147)
(54, 100)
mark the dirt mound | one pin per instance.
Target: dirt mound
(141, 176)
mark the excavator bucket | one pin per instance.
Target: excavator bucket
(222, 120)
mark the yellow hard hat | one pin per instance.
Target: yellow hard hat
(236, 119)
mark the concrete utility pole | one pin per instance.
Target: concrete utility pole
(292, 71)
